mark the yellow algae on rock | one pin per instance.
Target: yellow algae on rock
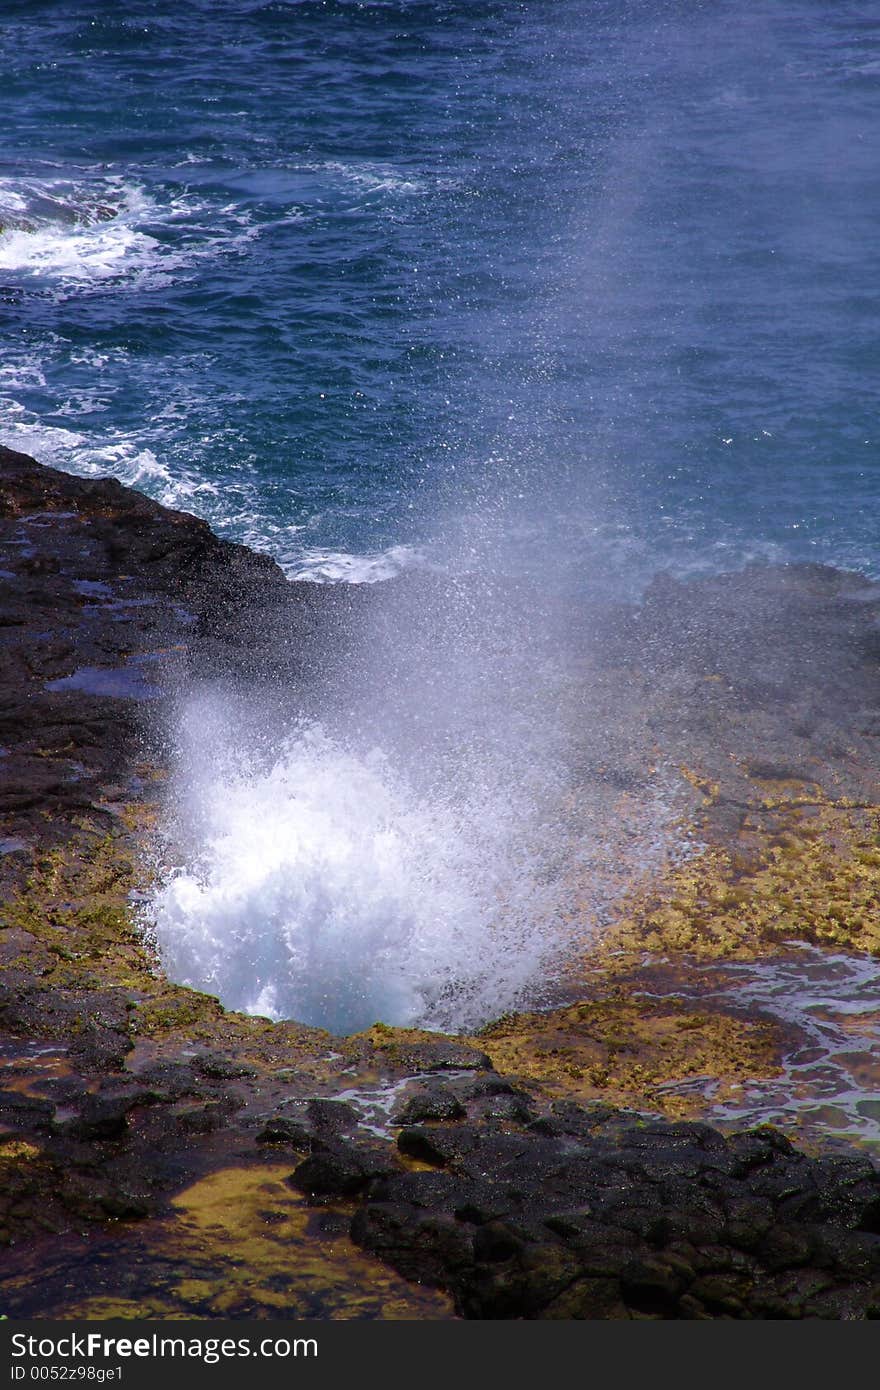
(241, 1243)
(17, 1151)
(624, 1049)
(797, 870)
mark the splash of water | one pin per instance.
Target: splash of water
(321, 884)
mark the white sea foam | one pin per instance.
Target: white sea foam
(322, 885)
(46, 442)
(123, 458)
(75, 233)
(375, 177)
(90, 253)
(160, 473)
(22, 373)
(341, 567)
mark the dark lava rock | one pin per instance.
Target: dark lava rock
(282, 1129)
(418, 1052)
(478, 1086)
(611, 1217)
(220, 1068)
(515, 1107)
(338, 1172)
(433, 1248)
(173, 1080)
(446, 1055)
(202, 1119)
(100, 1049)
(437, 1144)
(105, 1115)
(330, 1117)
(113, 606)
(309, 1125)
(29, 1112)
(126, 1206)
(429, 1105)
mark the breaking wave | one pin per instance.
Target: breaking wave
(69, 234)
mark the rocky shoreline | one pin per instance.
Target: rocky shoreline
(161, 1156)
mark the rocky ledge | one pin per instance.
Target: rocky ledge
(163, 1157)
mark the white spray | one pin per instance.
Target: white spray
(321, 883)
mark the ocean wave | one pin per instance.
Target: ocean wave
(75, 255)
(341, 567)
(23, 372)
(75, 233)
(124, 458)
(163, 475)
(374, 178)
(154, 464)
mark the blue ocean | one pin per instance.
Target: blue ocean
(338, 274)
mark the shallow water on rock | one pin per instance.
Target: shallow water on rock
(829, 1006)
(116, 682)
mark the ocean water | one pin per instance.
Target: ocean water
(572, 293)
(333, 273)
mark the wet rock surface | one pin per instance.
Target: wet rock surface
(137, 1117)
(592, 1213)
(108, 604)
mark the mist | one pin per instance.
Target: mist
(407, 834)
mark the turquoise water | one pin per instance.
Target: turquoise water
(336, 275)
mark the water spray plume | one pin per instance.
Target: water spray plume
(323, 884)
